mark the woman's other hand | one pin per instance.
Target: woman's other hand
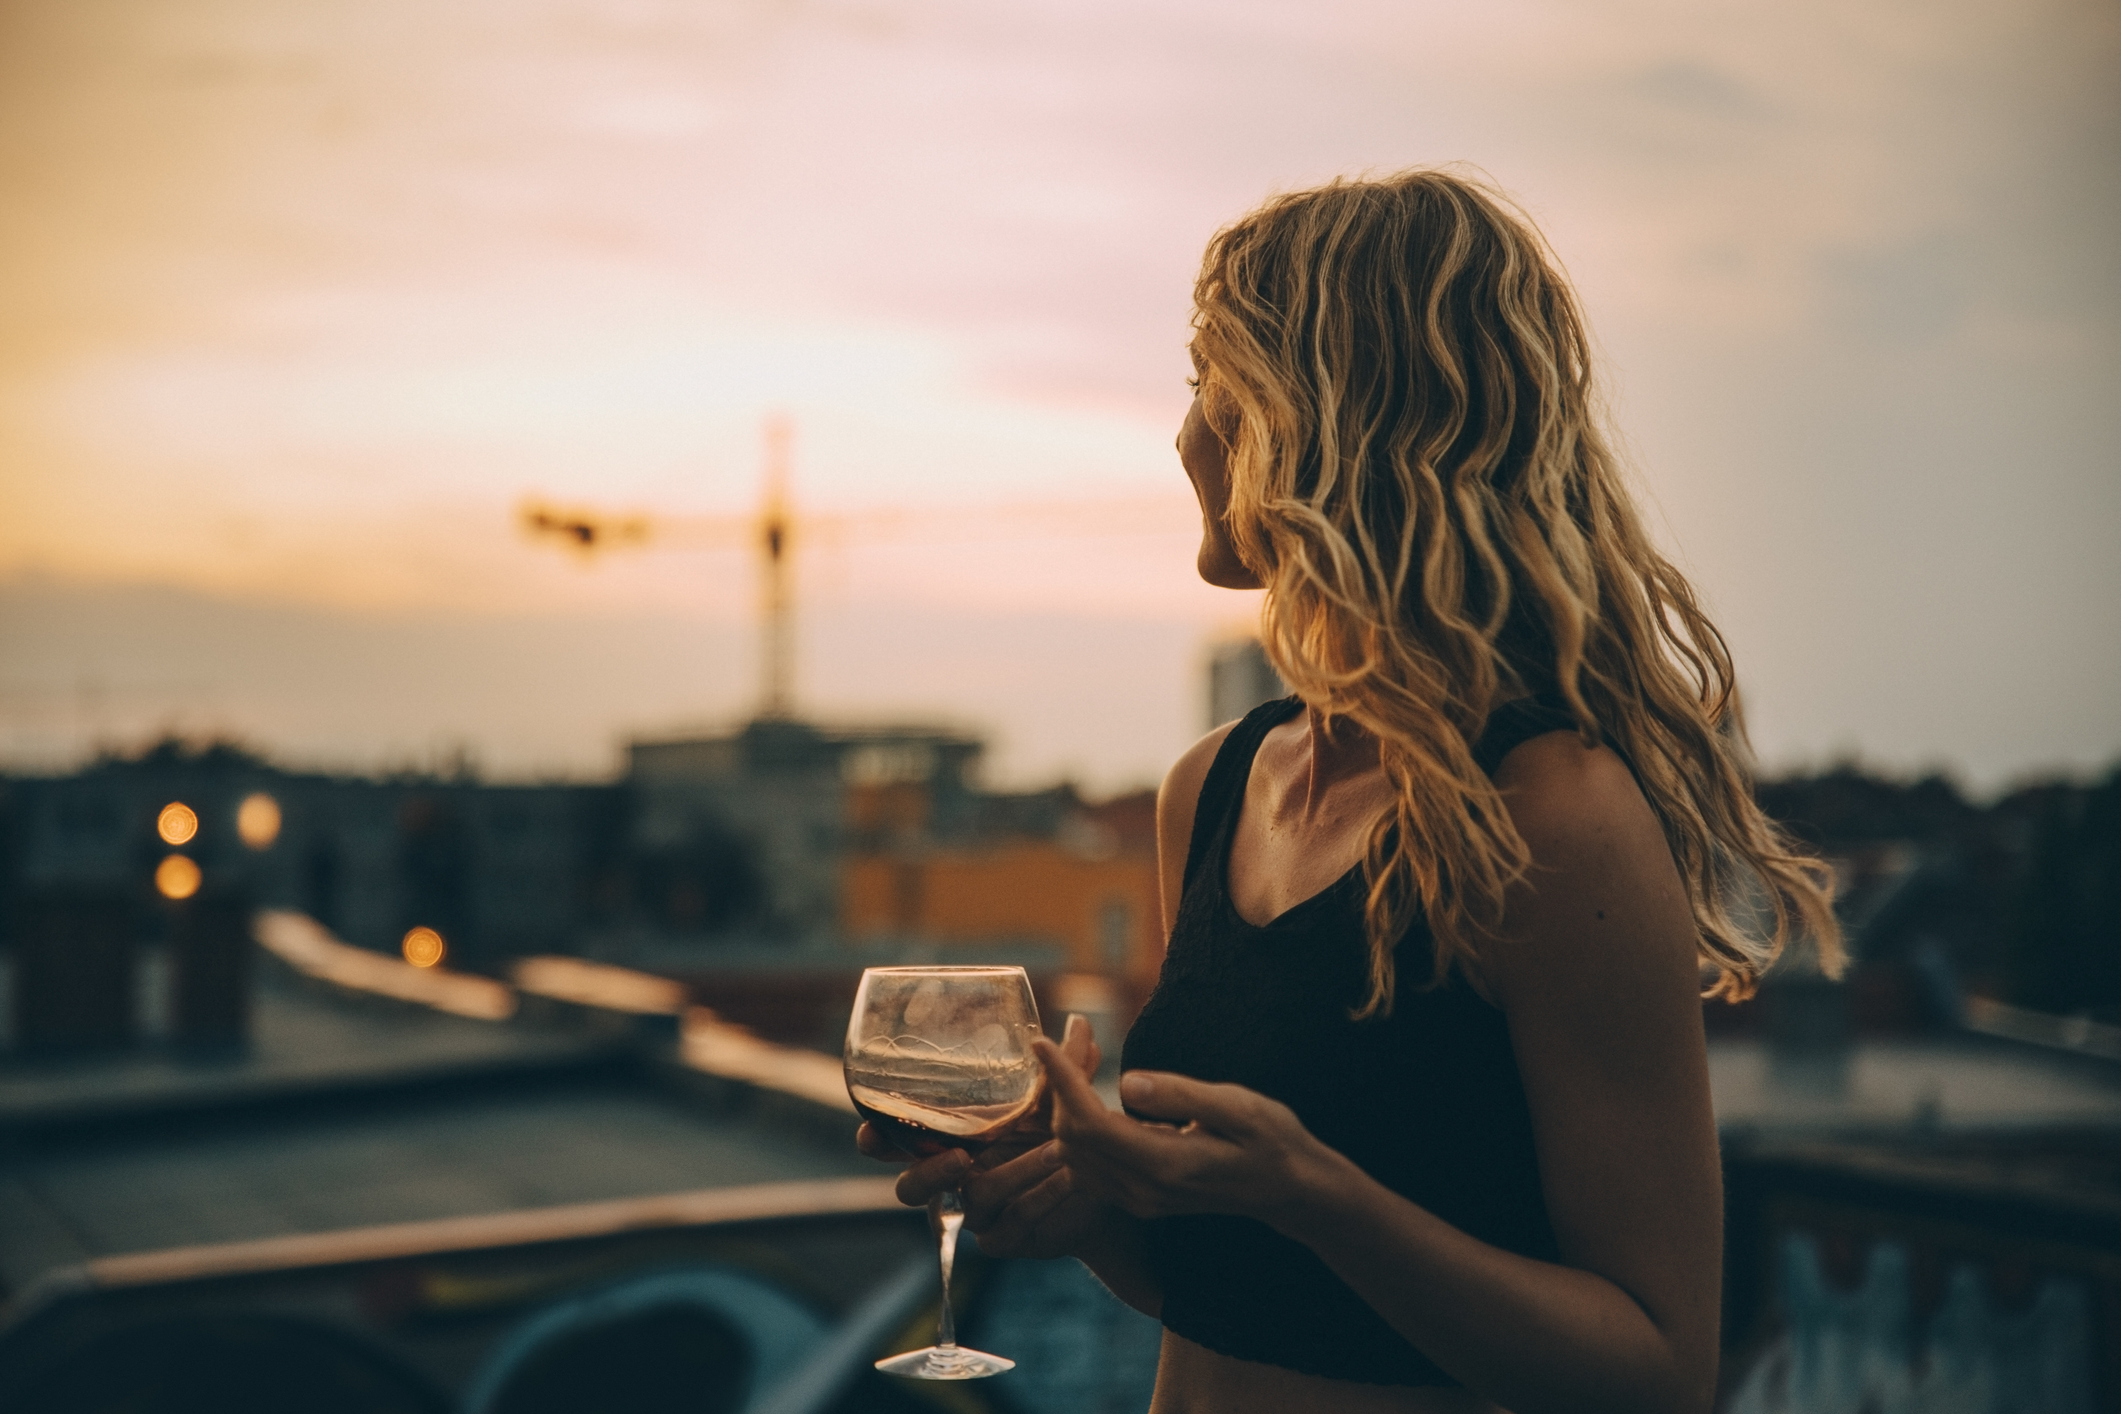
(1031, 1206)
(1214, 1148)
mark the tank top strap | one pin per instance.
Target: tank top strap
(1514, 723)
(1223, 791)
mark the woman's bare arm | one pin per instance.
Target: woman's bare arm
(1177, 800)
(1596, 970)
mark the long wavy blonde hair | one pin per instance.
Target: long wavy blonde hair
(1403, 381)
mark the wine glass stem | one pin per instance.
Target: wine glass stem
(947, 1211)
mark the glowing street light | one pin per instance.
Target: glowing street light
(177, 877)
(423, 947)
(258, 820)
(177, 823)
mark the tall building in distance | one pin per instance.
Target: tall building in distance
(1239, 679)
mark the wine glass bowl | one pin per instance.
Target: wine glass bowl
(940, 1058)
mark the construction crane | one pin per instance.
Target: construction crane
(771, 531)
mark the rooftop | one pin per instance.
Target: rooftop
(348, 1112)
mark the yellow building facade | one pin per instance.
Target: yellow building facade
(1101, 912)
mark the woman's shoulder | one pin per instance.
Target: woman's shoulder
(1554, 782)
(1192, 765)
(1178, 796)
(1573, 803)
(1603, 897)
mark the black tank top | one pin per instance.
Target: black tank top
(1427, 1100)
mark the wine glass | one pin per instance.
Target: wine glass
(940, 1058)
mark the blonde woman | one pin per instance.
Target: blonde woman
(1417, 1118)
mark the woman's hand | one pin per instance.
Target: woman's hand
(1019, 1200)
(1215, 1149)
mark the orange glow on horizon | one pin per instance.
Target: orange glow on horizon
(177, 823)
(177, 877)
(423, 947)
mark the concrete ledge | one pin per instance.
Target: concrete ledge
(2079, 1035)
(570, 993)
(700, 1208)
(307, 946)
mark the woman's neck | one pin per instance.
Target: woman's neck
(1337, 749)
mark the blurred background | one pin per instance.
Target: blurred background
(540, 539)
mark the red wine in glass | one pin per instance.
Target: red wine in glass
(924, 1128)
(940, 1058)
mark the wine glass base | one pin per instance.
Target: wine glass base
(940, 1363)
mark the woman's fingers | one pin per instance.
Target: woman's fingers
(1179, 1099)
(1092, 1136)
(989, 1191)
(1073, 1095)
(1080, 1118)
(1079, 1044)
(1153, 1168)
(1081, 1050)
(930, 1176)
(872, 1144)
(1021, 1228)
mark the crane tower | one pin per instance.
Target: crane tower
(771, 533)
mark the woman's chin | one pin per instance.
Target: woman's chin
(1222, 578)
(1224, 570)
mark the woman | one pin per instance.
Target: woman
(1418, 1115)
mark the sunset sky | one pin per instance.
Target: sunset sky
(298, 303)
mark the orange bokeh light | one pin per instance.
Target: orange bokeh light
(423, 947)
(177, 877)
(177, 823)
(258, 820)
